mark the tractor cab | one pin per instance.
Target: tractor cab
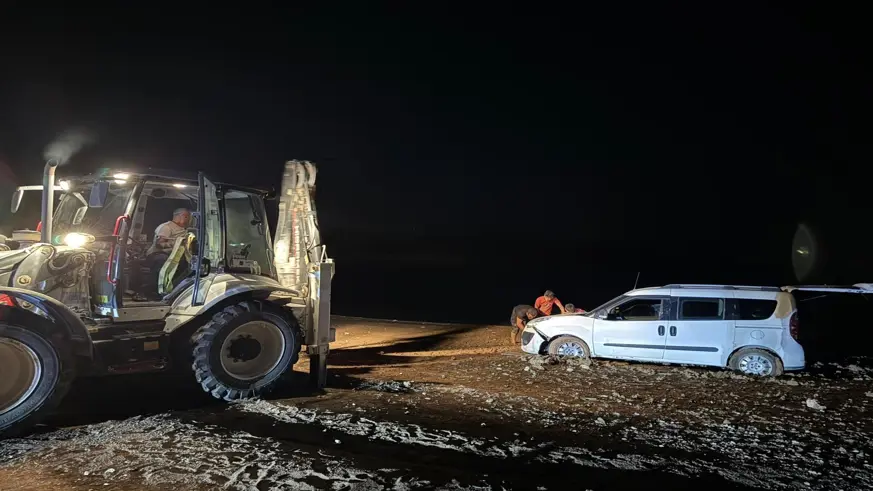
(208, 230)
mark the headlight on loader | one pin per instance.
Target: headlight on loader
(77, 240)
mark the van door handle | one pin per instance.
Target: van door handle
(660, 330)
(672, 330)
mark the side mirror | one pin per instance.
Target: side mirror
(80, 215)
(16, 199)
(205, 267)
(99, 192)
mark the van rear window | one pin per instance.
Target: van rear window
(701, 309)
(749, 309)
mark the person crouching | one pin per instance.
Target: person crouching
(521, 314)
(571, 309)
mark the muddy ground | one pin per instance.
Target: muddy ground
(423, 406)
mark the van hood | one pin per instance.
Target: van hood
(546, 323)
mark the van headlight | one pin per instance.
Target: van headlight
(77, 240)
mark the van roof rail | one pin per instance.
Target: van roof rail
(724, 287)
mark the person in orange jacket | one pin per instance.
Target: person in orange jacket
(545, 303)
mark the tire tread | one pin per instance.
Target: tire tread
(66, 375)
(778, 367)
(553, 345)
(203, 338)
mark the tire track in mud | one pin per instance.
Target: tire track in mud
(172, 452)
(433, 454)
(247, 447)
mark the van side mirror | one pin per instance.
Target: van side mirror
(99, 192)
(16, 199)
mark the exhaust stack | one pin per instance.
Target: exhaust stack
(48, 200)
(58, 153)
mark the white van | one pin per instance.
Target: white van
(750, 329)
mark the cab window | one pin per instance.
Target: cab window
(156, 206)
(74, 215)
(246, 230)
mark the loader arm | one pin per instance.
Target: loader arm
(298, 242)
(302, 263)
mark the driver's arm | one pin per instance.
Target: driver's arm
(163, 240)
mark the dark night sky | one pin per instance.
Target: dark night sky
(482, 155)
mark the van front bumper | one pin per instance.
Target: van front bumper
(531, 341)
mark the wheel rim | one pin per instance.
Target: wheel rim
(21, 371)
(571, 348)
(756, 365)
(252, 350)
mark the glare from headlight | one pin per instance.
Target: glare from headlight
(77, 240)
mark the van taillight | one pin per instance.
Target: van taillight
(794, 327)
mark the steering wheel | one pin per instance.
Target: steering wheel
(137, 248)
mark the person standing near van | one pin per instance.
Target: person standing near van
(521, 314)
(545, 303)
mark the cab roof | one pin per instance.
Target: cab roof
(161, 175)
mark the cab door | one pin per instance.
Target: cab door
(210, 239)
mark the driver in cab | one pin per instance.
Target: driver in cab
(165, 238)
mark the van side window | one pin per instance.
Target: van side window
(753, 309)
(638, 309)
(701, 309)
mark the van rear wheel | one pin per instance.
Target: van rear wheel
(756, 362)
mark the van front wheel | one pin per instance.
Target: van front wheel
(569, 346)
(756, 362)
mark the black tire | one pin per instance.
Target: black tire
(556, 343)
(209, 339)
(56, 374)
(775, 362)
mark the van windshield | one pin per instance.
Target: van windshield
(606, 305)
(74, 215)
